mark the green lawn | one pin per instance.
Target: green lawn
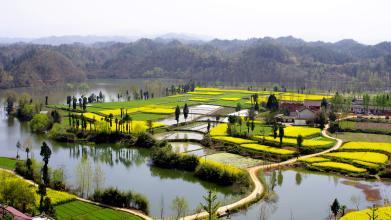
(7, 163)
(352, 136)
(82, 210)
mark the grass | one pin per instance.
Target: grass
(339, 166)
(200, 99)
(233, 160)
(7, 163)
(82, 210)
(263, 148)
(367, 146)
(314, 159)
(382, 212)
(294, 131)
(370, 157)
(370, 127)
(234, 140)
(353, 136)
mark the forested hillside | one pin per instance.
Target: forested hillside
(288, 61)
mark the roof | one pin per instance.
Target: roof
(304, 108)
(17, 214)
(312, 102)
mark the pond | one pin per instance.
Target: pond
(308, 195)
(125, 169)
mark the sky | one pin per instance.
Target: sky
(367, 21)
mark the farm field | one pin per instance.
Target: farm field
(306, 132)
(339, 166)
(353, 136)
(267, 149)
(368, 146)
(369, 127)
(382, 213)
(309, 143)
(7, 163)
(55, 196)
(82, 210)
(370, 157)
(233, 160)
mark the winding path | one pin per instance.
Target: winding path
(258, 187)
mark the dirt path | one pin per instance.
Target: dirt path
(258, 187)
(131, 211)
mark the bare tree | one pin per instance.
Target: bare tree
(99, 177)
(355, 199)
(179, 204)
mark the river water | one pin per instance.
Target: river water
(306, 197)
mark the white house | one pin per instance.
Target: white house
(303, 115)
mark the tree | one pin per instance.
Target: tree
(320, 119)
(281, 134)
(324, 104)
(239, 121)
(45, 154)
(150, 125)
(332, 116)
(373, 215)
(298, 178)
(99, 177)
(275, 129)
(272, 103)
(252, 126)
(208, 126)
(335, 208)
(46, 100)
(179, 204)
(211, 205)
(299, 141)
(177, 114)
(342, 210)
(238, 107)
(185, 111)
(256, 107)
(18, 147)
(355, 199)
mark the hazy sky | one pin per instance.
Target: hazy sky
(367, 21)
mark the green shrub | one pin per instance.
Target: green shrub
(166, 158)
(40, 123)
(145, 140)
(115, 197)
(221, 174)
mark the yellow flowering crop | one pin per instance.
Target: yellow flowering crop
(264, 148)
(371, 157)
(293, 142)
(370, 146)
(340, 166)
(219, 130)
(234, 140)
(205, 93)
(314, 159)
(198, 99)
(294, 131)
(230, 99)
(382, 213)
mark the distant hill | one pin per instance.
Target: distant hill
(346, 65)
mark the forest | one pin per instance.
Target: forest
(345, 65)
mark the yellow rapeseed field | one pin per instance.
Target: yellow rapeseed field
(294, 131)
(370, 146)
(314, 159)
(205, 93)
(339, 166)
(293, 142)
(234, 140)
(219, 130)
(382, 212)
(199, 99)
(230, 99)
(371, 157)
(268, 149)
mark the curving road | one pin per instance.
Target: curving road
(258, 187)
